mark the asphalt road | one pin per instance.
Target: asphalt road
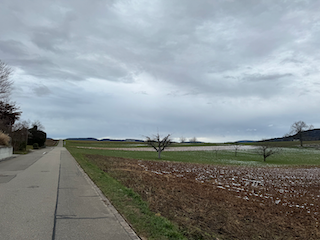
(45, 195)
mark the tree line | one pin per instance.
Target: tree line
(13, 131)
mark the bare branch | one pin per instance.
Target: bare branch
(38, 125)
(236, 149)
(298, 128)
(152, 143)
(266, 151)
(159, 144)
(5, 82)
(19, 125)
(9, 113)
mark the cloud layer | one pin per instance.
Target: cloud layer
(216, 70)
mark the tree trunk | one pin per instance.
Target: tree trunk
(159, 154)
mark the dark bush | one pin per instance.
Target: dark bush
(35, 146)
(37, 136)
(22, 146)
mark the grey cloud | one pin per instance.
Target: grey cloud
(141, 92)
(246, 58)
(49, 38)
(265, 77)
(45, 68)
(292, 60)
(13, 48)
(41, 90)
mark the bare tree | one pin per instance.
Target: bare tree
(5, 81)
(266, 151)
(193, 140)
(38, 125)
(159, 144)
(9, 113)
(216, 151)
(236, 149)
(20, 135)
(182, 139)
(298, 128)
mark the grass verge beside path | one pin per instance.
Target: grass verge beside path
(146, 223)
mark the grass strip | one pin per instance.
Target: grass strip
(286, 157)
(146, 223)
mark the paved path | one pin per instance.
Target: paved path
(45, 195)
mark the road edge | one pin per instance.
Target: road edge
(126, 226)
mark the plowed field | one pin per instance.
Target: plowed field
(228, 202)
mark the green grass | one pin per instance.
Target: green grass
(106, 144)
(120, 144)
(287, 156)
(29, 147)
(136, 211)
(128, 203)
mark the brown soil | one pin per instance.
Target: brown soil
(228, 202)
(51, 142)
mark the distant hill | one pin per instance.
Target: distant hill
(83, 139)
(134, 140)
(120, 140)
(309, 135)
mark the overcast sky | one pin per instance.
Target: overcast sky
(217, 70)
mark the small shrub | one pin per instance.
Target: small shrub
(4, 139)
(35, 146)
(22, 146)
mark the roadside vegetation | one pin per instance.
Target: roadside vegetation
(4, 139)
(28, 148)
(217, 194)
(146, 223)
